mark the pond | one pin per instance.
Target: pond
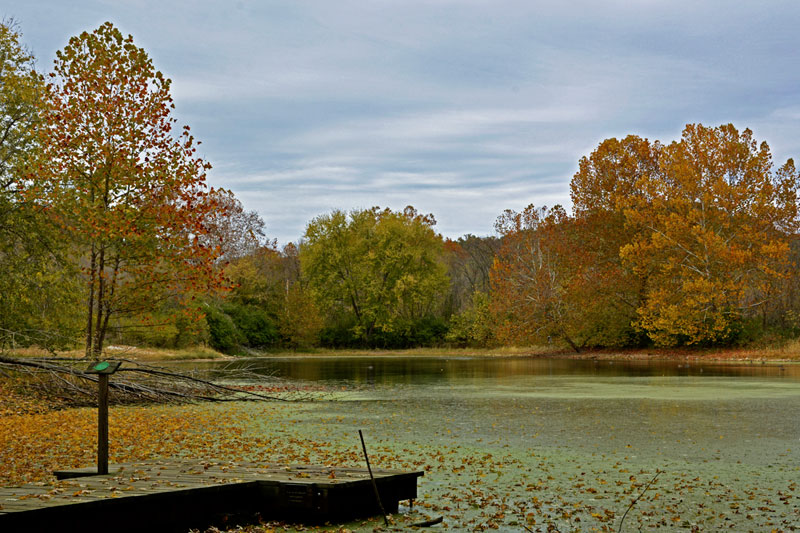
(557, 444)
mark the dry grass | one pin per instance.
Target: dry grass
(789, 351)
(132, 352)
(504, 351)
(786, 352)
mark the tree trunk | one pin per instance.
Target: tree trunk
(90, 303)
(571, 343)
(101, 332)
(98, 333)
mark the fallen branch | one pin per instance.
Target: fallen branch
(67, 380)
(214, 386)
(658, 473)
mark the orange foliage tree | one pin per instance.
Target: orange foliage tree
(127, 190)
(552, 281)
(682, 242)
(707, 221)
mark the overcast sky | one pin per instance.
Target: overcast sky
(460, 108)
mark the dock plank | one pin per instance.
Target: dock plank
(176, 495)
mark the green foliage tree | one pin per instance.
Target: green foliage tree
(129, 195)
(222, 331)
(36, 288)
(378, 271)
(20, 92)
(301, 321)
(259, 280)
(474, 325)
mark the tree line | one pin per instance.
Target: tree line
(110, 234)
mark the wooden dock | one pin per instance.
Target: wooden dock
(167, 496)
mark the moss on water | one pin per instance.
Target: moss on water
(574, 454)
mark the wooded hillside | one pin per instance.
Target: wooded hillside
(109, 233)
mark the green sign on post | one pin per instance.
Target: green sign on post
(103, 369)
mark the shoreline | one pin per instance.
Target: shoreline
(588, 356)
(782, 355)
(201, 354)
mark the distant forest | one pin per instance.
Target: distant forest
(109, 234)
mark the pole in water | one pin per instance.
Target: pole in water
(372, 478)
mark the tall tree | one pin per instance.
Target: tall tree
(708, 223)
(378, 266)
(469, 260)
(127, 190)
(551, 282)
(20, 92)
(719, 221)
(234, 230)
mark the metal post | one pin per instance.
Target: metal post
(103, 369)
(102, 424)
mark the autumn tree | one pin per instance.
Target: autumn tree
(469, 260)
(381, 270)
(126, 189)
(560, 276)
(232, 229)
(708, 222)
(550, 283)
(606, 183)
(719, 220)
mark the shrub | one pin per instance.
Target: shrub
(223, 333)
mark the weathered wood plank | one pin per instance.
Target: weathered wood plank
(178, 495)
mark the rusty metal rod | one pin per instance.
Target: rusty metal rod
(374, 485)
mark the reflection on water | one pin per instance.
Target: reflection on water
(566, 401)
(429, 370)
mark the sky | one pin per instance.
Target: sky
(460, 108)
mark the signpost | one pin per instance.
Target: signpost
(103, 369)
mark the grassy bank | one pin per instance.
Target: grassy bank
(143, 354)
(779, 353)
(786, 352)
(505, 351)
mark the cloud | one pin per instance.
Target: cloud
(460, 107)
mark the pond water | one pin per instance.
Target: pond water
(555, 444)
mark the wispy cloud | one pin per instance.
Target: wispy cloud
(460, 107)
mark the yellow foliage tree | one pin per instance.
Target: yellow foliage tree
(708, 222)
